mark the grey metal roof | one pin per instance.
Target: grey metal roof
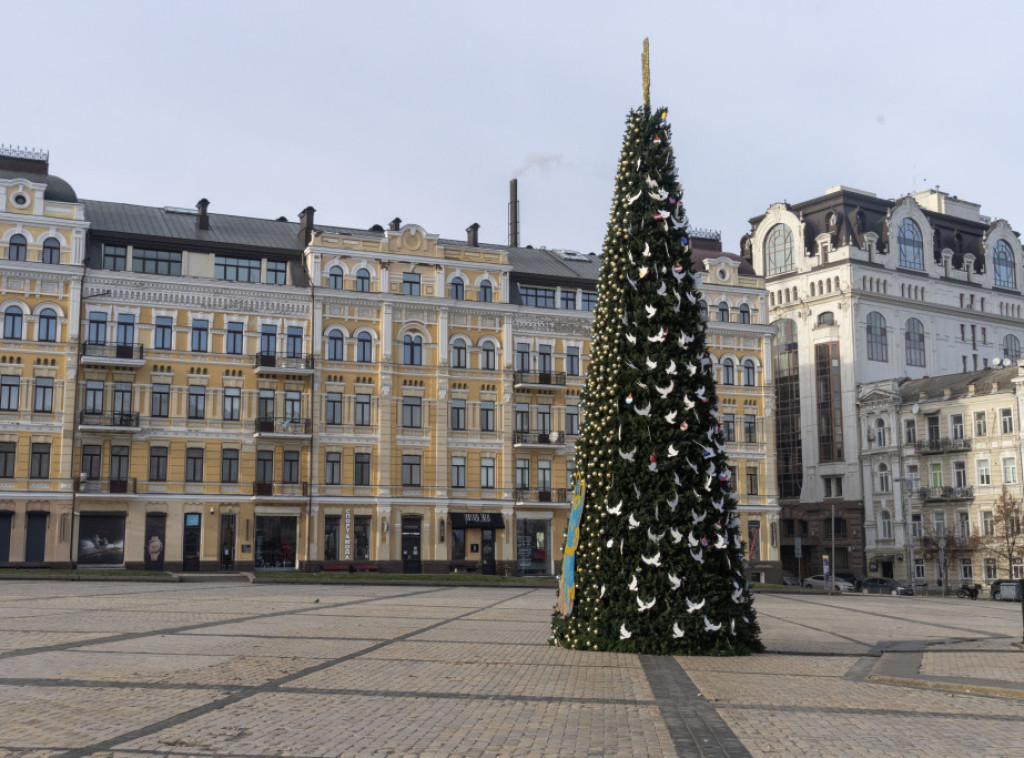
(934, 387)
(549, 263)
(57, 189)
(146, 221)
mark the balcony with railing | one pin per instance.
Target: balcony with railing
(120, 421)
(280, 489)
(272, 363)
(537, 439)
(538, 379)
(946, 493)
(127, 354)
(106, 486)
(266, 426)
(936, 446)
(541, 496)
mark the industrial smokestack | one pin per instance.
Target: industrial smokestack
(513, 213)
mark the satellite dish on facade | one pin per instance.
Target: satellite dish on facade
(916, 408)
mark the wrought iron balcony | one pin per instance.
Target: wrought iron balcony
(119, 354)
(274, 363)
(272, 489)
(539, 439)
(946, 493)
(541, 496)
(116, 420)
(944, 445)
(540, 379)
(271, 425)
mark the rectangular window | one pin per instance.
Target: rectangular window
(829, 402)
(157, 463)
(990, 569)
(980, 424)
(458, 415)
(93, 397)
(332, 409)
(10, 390)
(161, 401)
(264, 466)
(956, 426)
(363, 410)
(40, 462)
(589, 300)
(487, 473)
(235, 338)
(361, 533)
(568, 300)
(916, 527)
(544, 361)
(487, 416)
(290, 467)
(984, 473)
(229, 466)
(939, 522)
(232, 269)
(293, 405)
(963, 524)
(522, 417)
(572, 361)
(909, 431)
(268, 339)
(196, 401)
(43, 401)
(537, 297)
(988, 525)
(7, 453)
(959, 474)
(332, 537)
(544, 476)
(1006, 420)
(119, 463)
(91, 461)
(265, 404)
(411, 284)
(162, 262)
(277, 272)
(115, 257)
(332, 469)
(522, 473)
(232, 403)
(522, 356)
(412, 412)
(749, 428)
(1009, 470)
(97, 329)
(163, 333)
(966, 569)
(729, 427)
(544, 419)
(293, 342)
(411, 470)
(572, 420)
(200, 335)
(194, 464)
(936, 474)
(752, 483)
(125, 334)
(361, 475)
(458, 471)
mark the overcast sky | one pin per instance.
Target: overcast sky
(426, 110)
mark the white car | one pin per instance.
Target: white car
(818, 582)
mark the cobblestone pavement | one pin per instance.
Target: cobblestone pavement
(238, 670)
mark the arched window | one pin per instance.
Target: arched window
(12, 323)
(364, 347)
(486, 294)
(51, 251)
(723, 311)
(47, 329)
(915, 342)
(884, 483)
(778, 250)
(1011, 347)
(335, 346)
(17, 248)
(749, 372)
(744, 314)
(362, 280)
(826, 318)
(337, 279)
(459, 353)
(703, 311)
(1002, 266)
(487, 353)
(412, 350)
(728, 371)
(884, 525)
(881, 434)
(910, 244)
(878, 343)
(457, 289)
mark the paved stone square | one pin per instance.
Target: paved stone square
(238, 670)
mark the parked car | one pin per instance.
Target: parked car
(878, 585)
(789, 579)
(997, 585)
(819, 582)
(857, 580)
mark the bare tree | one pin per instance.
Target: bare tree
(950, 545)
(1006, 541)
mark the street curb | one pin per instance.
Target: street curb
(945, 686)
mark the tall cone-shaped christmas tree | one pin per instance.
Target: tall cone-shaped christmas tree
(653, 559)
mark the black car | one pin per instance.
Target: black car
(857, 580)
(878, 585)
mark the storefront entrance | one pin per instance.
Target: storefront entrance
(487, 565)
(35, 538)
(411, 558)
(275, 542)
(156, 541)
(5, 536)
(227, 542)
(533, 539)
(101, 539)
(191, 542)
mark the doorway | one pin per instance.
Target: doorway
(411, 558)
(227, 542)
(35, 538)
(5, 536)
(191, 540)
(487, 552)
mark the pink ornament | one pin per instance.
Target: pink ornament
(629, 399)
(684, 426)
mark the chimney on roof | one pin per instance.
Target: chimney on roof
(396, 224)
(513, 213)
(306, 224)
(471, 234)
(203, 219)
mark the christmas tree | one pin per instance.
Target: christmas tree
(653, 558)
